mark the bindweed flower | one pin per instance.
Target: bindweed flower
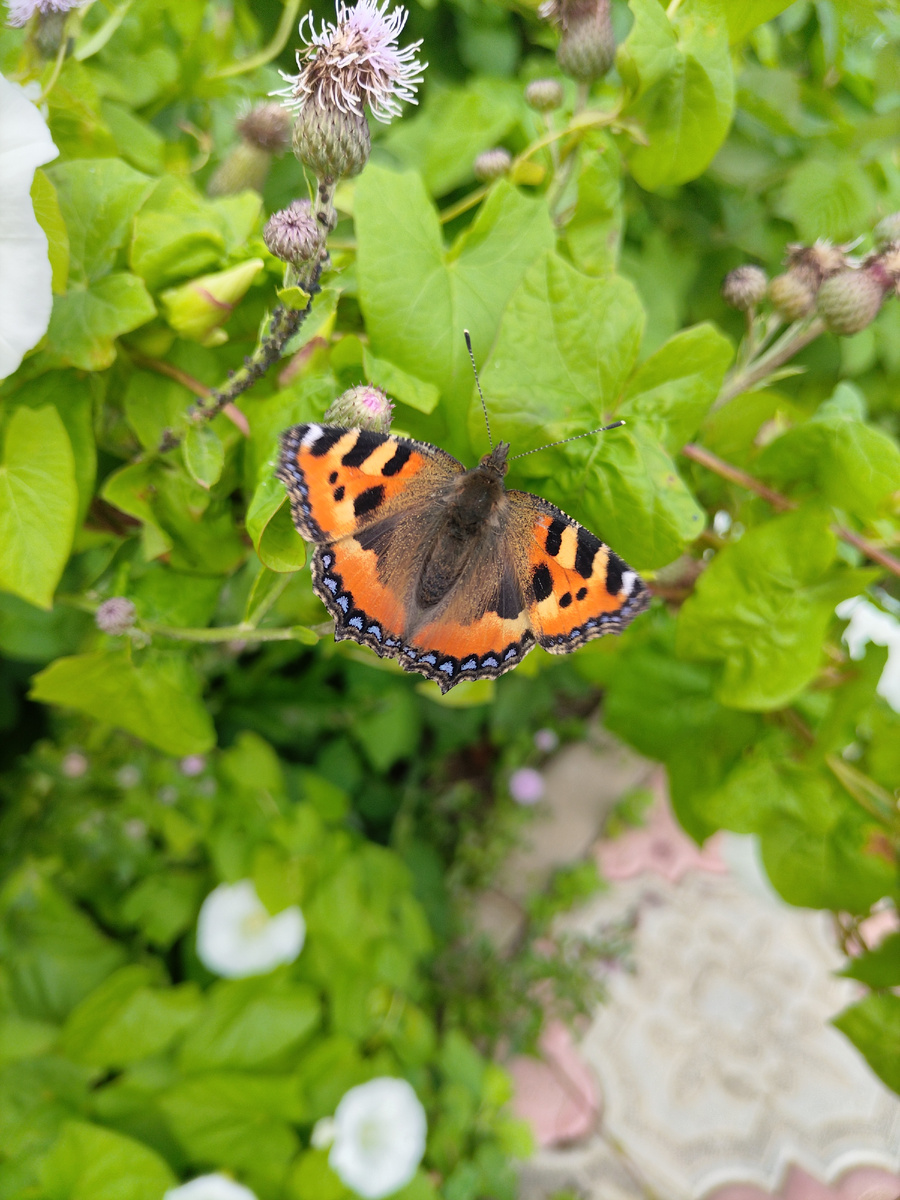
(364, 407)
(526, 786)
(492, 164)
(744, 287)
(236, 936)
(210, 1187)
(25, 274)
(115, 615)
(21, 11)
(197, 310)
(544, 95)
(377, 1137)
(871, 624)
(293, 234)
(349, 65)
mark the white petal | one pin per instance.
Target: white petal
(210, 1187)
(379, 1137)
(25, 273)
(236, 937)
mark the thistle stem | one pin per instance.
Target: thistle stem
(733, 474)
(792, 341)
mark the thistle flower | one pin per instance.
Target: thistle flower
(115, 615)
(263, 131)
(356, 62)
(544, 95)
(587, 48)
(849, 300)
(21, 11)
(492, 164)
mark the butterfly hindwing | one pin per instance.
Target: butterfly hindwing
(576, 588)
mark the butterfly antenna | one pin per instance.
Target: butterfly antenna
(478, 385)
(550, 445)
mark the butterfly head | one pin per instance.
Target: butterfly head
(495, 463)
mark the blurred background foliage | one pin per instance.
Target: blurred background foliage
(589, 276)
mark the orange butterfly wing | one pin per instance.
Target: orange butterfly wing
(577, 588)
(374, 503)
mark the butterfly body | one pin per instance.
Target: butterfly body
(443, 568)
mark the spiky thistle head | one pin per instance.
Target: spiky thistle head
(355, 62)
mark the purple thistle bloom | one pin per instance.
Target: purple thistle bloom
(356, 61)
(21, 11)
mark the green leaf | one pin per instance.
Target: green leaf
(391, 731)
(90, 1163)
(873, 1026)
(631, 495)
(86, 321)
(98, 199)
(417, 296)
(762, 609)
(163, 906)
(672, 391)
(594, 233)
(38, 504)
(454, 126)
(126, 1019)
(743, 18)
(50, 218)
(53, 953)
(204, 454)
(267, 587)
(278, 544)
(178, 234)
(878, 968)
(838, 457)
(400, 385)
(682, 86)
(828, 197)
(238, 1120)
(544, 388)
(158, 701)
(251, 1023)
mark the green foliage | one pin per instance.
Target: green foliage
(589, 278)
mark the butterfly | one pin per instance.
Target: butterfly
(443, 568)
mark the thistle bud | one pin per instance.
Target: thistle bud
(816, 263)
(587, 48)
(744, 287)
(363, 407)
(491, 164)
(293, 234)
(116, 615)
(333, 144)
(850, 300)
(263, 131)
(544, 95)
(888, 229)
(792, 296)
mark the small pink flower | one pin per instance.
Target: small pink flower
(546, 740)
(74, 765)
(194, 764)
(526, 786)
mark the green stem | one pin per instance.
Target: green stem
(221, 633)
(274, 48)
(791, 342)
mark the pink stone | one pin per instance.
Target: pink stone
(555, 1093)
(661, 847)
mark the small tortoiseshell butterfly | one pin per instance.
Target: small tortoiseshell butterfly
(442, 568)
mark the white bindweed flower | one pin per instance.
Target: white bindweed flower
(210, 1187)
(21, 11)
(379, 1134)
(237, 937)
(25, 274)
(871, 624)
(356, 61)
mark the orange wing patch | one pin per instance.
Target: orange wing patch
(578, 588)
(339, 479)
